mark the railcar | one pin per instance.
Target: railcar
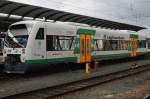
(147, 33)
(36, 44)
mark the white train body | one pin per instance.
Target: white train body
(43, 43)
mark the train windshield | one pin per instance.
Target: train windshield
(22, 39)
(18, 35)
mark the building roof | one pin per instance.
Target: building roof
(25, 10)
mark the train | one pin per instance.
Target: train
(38, 44)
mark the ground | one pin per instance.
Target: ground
(134, 87)
(26, 83)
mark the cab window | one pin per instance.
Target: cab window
(40, 34)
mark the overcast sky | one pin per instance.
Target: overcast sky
(128, 11)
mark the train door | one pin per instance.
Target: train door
(40, 46)
(133, 45)
(85, 48)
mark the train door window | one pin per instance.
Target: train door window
(83, 47)
(88, 46)
(40, 34)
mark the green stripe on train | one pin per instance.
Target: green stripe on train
(107, 57)
(77, 47)
(53, 60)
(133, 36)
(114, 56)
(74, 59)
(86, 31)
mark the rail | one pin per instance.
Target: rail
(66, 88)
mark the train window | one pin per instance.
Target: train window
(115, 45)
(66, 42)
(83, 47)
(144, 44)
(123, 45)
(107, 45)
(22, 40)
(98, 45)
(40, 34)
(59, 43)
(19, 28)
(141, 44)
(148, 43)
(52, 43)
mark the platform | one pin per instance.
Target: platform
(26, 84)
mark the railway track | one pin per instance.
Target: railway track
(56, 91)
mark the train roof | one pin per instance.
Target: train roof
(26, 22)
(78, 25)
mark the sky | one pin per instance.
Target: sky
(136, 12)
